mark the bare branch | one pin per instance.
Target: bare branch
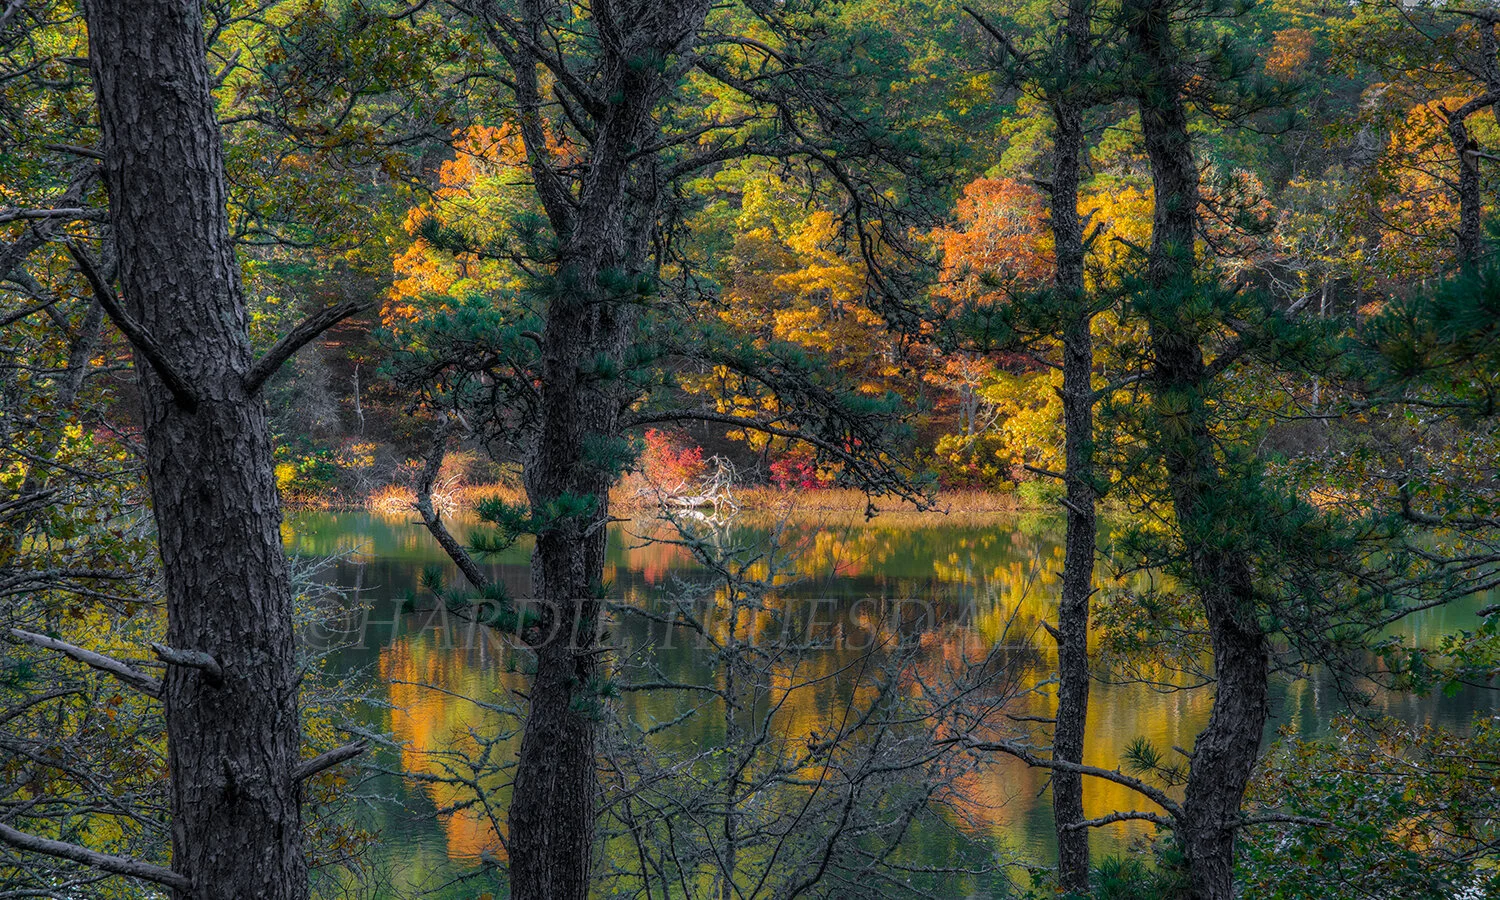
(72, 213)
(115, 865)
(432, 518)
(328, 760)
(139, 338)
(1128, 816)
(138, 680)
(1283, 818)
(191, 659)
(1000, 37)
(314, 325)
(76, 150)
(1048, 473)
(20, 314)
(1154, 794)
(35, 701)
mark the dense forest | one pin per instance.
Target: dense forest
(1208, 288)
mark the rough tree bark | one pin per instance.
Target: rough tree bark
(1070, 92)
(604, 229)
(1072, 633)
(233, 743)
(1225, 753)
(1470, 200)
(1469, 189)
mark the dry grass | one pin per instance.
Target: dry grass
(470, 495)
(398, 499)
(951, 506)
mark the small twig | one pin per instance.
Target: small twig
(134, 332)
(138, 680)
(328, 760)
(1046, 472)
(311, 327)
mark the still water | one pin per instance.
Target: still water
(976, 581)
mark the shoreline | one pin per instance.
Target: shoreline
(756, 501)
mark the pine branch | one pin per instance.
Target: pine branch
(311, 327)
(139, 338)
(138, 680)
(1155, 795)
(115, 865)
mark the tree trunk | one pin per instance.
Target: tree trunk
(552, 816)
(232, 746)
(1466, 149)
(1225, 752)
(1078, 560)
(604, 226)
(1470, 200)
(1072, 635)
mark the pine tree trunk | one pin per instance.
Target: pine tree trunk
(1225, 753)
(232, 746)
(552, 813)
(605, 227)
(1078, 560)
(1470, 199)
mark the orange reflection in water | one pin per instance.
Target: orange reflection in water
(441, 729)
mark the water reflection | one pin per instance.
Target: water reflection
(959, 588)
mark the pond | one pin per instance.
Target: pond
(984, 579)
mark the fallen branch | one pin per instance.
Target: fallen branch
(311, 327)
(134, 332)
(328, 760)
(115, 865)
(138, 680)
